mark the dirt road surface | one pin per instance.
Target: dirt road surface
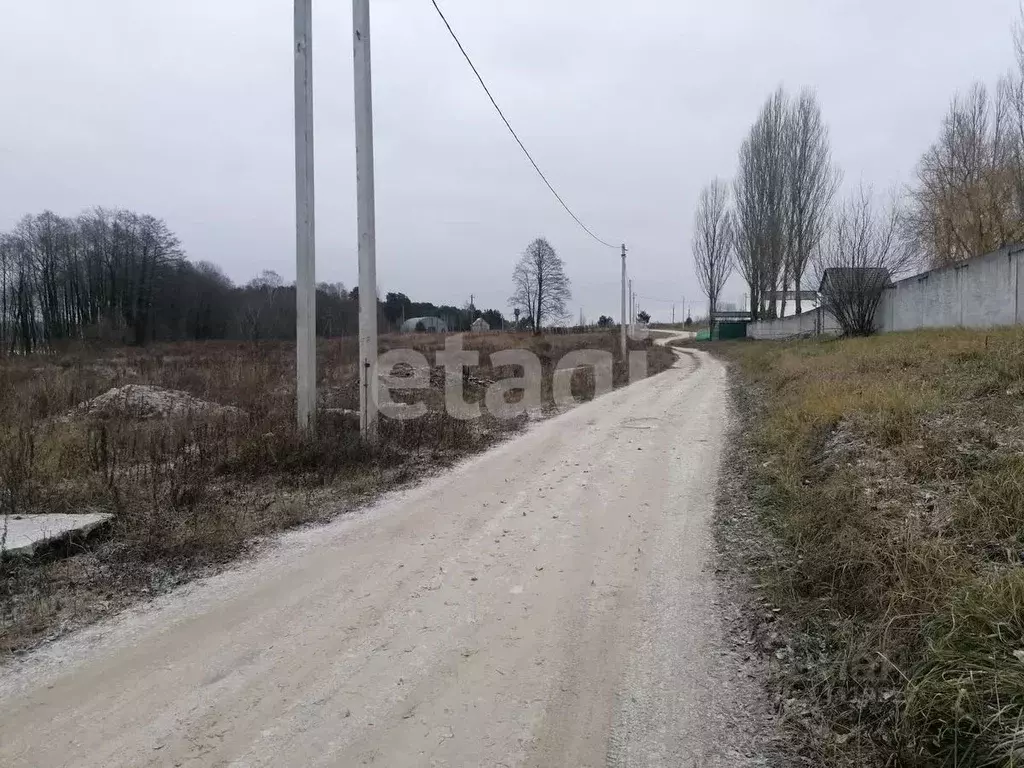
(548, 603)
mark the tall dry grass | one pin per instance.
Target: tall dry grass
(191, 491)
(892, 471)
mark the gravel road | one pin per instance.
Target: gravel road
(548, 603)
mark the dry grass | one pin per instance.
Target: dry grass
(891, 469)
(193, 490)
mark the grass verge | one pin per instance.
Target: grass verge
(890, 472)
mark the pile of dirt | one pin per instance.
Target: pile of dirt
(141, 401)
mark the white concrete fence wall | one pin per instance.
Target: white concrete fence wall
(978, 293)
(814, 322)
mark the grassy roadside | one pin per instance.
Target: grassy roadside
(193, 488)
(891, 472)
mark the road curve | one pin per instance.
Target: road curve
(548, 603)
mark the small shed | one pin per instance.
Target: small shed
(729, 325)
(428, 324)
(480, 325)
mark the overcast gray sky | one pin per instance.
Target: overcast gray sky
(183, 110)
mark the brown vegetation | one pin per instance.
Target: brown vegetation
(890, 470)
(213, 461)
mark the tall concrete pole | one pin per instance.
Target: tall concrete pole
(305, 234)
(632, 301)
(366, 218)
(623, 327)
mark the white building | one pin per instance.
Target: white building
(480, 325)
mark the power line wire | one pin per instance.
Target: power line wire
(514, 135)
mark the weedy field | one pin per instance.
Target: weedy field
(197, 455)
(891, 471)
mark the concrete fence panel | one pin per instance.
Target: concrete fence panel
(978, 293)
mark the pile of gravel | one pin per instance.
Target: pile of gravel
(141, 401)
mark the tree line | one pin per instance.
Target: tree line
(783, 226)
(116, 275)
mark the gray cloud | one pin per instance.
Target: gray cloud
(184, 110)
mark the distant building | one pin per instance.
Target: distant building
(480, 325)
(791, 296)
(424, 324)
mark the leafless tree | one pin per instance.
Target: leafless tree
(524, 292)
(761, 205)
(1013, 85)
(713, 241)
(858, 258)
(969, 190)
(811, 182)
(540, 286)
(968, 198)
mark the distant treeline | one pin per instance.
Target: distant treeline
(121, 276)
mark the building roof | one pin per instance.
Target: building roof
(848, 278)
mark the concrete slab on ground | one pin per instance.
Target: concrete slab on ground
(26, 532)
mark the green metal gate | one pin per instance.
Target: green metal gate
(729, 329)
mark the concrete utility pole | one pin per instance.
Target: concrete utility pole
(305, 236)
(622, 330)
(632, 297)
(366, 220)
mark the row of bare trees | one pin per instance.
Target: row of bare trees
(968, 197)
(781, 199)
(103, 269)
(120, 276)
(782, 224)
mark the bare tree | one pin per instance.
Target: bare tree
(858, 259)
(713, 241)
(811, 182)
(524, 292)
(1013, 86)
(540, 286)
(761, 205)
(7, 255)
(967, 200)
